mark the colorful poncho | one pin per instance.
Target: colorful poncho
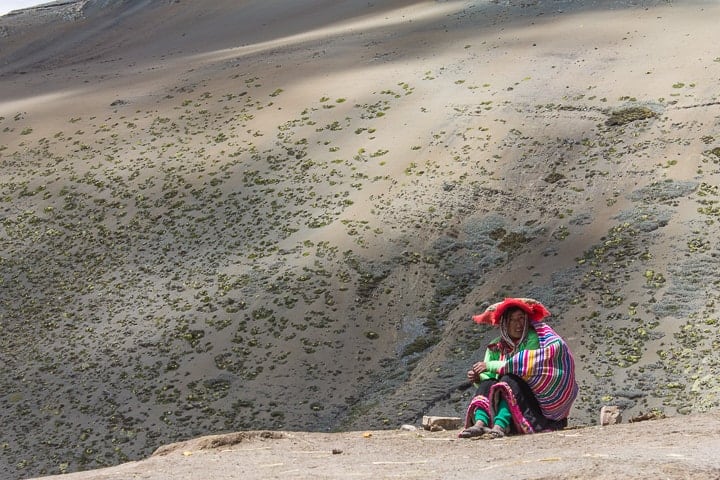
(549, 372)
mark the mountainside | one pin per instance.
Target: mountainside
(235, 215)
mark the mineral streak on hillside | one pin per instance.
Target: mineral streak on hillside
(222, 216)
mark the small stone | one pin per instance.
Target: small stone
(435, 424)
(610, 415)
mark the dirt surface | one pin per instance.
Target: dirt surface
(671, 448)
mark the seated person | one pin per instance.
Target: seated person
(526, 382)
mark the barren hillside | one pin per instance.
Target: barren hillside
(240, 215)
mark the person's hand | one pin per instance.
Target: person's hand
(479, 367)
(474, 373)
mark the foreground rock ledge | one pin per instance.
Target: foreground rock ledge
(674, 448)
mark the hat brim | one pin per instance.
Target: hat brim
(535, 310)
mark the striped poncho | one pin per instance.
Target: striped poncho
(549, 372)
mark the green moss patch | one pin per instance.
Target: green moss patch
(627, 115)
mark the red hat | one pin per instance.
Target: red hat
(535, 310)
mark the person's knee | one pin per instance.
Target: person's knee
(509, 379)
(484, 387)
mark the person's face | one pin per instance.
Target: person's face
(516, 324)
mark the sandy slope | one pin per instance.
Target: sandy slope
(214, 209)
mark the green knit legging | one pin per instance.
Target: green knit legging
(502, 416)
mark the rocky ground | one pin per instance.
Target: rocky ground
(672, 448)
(231, 216)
